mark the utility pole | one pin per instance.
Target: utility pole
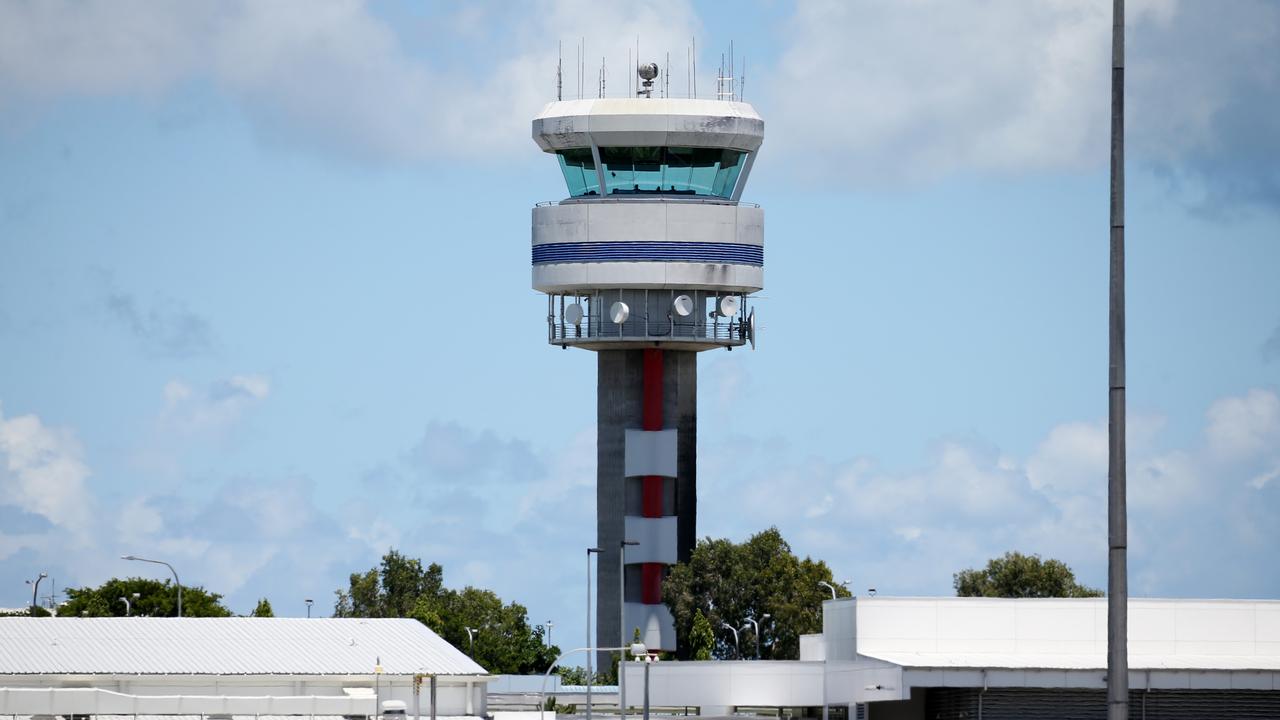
(1117, 523)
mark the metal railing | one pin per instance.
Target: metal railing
(633, 199)
(595, 328)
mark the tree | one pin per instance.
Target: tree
(1015, 575)
(262, 609)
(402, 587)
(154, 598)
(731, 582)
(701, 638)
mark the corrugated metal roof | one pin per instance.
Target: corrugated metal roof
(225, 646)
(1066, 661)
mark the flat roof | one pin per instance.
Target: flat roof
(226, 646)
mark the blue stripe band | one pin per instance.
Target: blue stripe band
(708, 252)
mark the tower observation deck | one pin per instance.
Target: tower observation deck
(650, 259)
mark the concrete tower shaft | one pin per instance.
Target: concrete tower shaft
(650, 259)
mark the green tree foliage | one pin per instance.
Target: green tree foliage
(156, 598)
(731, 582)
(402, 587)
(1021, 576)
(702, 639)
(263, 609)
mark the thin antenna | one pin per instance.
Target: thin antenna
(695, 67)
(630, 74)
(742, 81)
(582, 72)
(560, 70)
(731, 70)
(666, 77)
(688, 84)
(578, 68)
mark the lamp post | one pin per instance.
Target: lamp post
(622, 626)
(35, 586)
(549, 624)
(737, 651)
(176, 581)
(590, 552)
(471, 640)
(127, 607)
(308, 601)
(756, 626)
(844, 584)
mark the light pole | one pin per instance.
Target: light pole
(35, 586)
(471, 640)
(832, 588)
(737, 651)
(176, 581)
(622, 626)
(127, 607)
(756, 625)
(590, 552)
(549, 624)
(308, 602)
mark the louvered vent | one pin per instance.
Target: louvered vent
(1063, 704)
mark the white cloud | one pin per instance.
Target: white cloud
(42, 472)
(1241, 426)
(907, 531)
(333, 75)
(879, 91)
(188, 411)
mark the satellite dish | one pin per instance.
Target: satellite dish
(683, 305)
(729, 305)
(619, 312)
(573, 314)
(751, 329)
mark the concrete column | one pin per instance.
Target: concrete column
(619, 406)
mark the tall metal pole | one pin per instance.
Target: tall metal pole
(622, 625)
(590, 552)
(1117, 530)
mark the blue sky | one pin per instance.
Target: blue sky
(265, 305)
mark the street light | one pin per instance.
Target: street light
(471, 639)
(35, 586)
(549, 624)
(756, 625)
(308, 601)
(590, 655)
(832, 588)
(176, 581)
(737, 651)
(622, 626)
(127, 607)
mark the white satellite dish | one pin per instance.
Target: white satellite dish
(729, 305)
(683, 305)
(619, 312)
(751, 329)
(573, 314)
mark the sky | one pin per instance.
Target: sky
(265, 304)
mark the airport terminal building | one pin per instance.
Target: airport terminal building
(1001, 659)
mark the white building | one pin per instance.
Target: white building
(917, 658)
(232, 668)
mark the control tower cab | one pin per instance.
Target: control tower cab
(650, 259)
(652, 248)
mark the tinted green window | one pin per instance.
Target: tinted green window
(579, 170)
(654, 170)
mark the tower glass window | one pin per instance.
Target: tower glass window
(711, 172)
(579, 169)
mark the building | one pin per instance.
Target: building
(232, 668)
(651, 259)
(951, 658)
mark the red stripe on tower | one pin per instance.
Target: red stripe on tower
(652, 420)
(651, 583)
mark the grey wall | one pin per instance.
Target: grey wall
(619, 395)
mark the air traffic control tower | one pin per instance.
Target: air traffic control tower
(650, 260)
